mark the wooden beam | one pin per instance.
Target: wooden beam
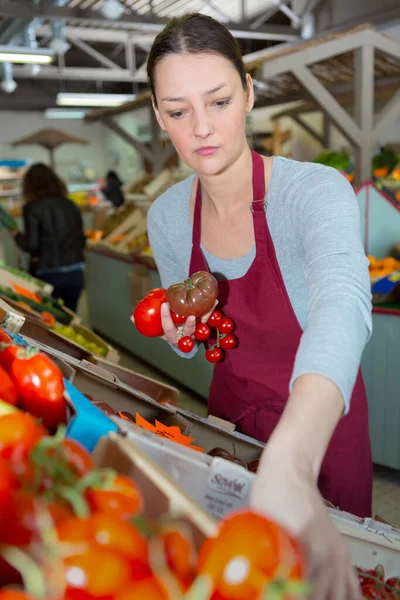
(308, 128)
(329, 104)
(364, 63)
(386, 117)
(129, 139)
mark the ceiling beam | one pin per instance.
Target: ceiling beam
(10, 28)
(111, 36)
(103, 60)
(47, 10)
(81, 74)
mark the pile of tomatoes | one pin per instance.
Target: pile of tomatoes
(374, 584)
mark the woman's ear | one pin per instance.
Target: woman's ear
(157, 113)
(249, 93)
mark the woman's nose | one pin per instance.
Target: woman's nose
(203, 126)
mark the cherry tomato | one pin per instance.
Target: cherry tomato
(8, 391)
(48, 318)
(214, 355)
(202, 331)
(106, 530)
(77, 456)
(215, 318)
(228, 342)
(8, 353)
(8, 482)
(393, 582)
(40, 388)
(226, 325)
(147, 314)
(19, 432)
(177, 319)
(14, 594)
(97, 571)
(186, 344)
(148, 589)
(25, 518)
(371, 591)
(122, 498)
(180, 554)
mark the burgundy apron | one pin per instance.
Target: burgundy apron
(251, 386)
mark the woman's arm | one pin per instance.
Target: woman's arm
(29, 240)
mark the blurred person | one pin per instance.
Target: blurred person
(112, 190)
(53, 234)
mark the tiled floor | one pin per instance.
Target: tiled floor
(386, 497)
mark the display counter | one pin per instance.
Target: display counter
(110, 307)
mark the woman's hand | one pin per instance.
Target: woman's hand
(173, 333)
(292, 499)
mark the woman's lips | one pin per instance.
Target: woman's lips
(207, 150)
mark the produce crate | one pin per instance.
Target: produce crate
(91, 338)
(160, 494)
(39, 334)
(103, 386)
(10, 319)
(217, 485)
(211, 433)
(370, 542)
(9, 274)
(158, 391)
(75, 319)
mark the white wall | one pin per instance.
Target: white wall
(14, 125)
(120, 155)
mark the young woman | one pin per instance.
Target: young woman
(283, 240)
(53, 234)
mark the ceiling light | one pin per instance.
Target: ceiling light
(93, 99)
(64, 113)
(112, 9)
(22, 55)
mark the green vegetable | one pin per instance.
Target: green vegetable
(386, 158)
(337, 160)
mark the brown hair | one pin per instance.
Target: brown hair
(194, 33)
(40, 181)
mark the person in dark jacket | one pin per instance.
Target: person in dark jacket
(53, 234)
(112, 190)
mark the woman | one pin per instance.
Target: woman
(53, 234)
(113, 191)
(283, 239)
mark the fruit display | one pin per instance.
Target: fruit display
(382, 267)
(22, 275)
(74, 334)
(374, 584)
(226, 455)
(117, 219)
(70, 530)
(48, 305)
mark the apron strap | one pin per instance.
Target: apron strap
(196, 237)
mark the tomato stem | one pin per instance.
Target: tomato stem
(31, 573)
(159, 566)
(201, 588)
(75, 499)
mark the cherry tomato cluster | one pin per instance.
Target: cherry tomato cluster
(226, 340)
(374, 584)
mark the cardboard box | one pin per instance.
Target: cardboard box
(161, 392)
(160, 494)
(10, 319)
(217, 485)
(212, 433)
(8, 276)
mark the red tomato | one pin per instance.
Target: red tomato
(106, 530)
(180, 553)
(8, 354)
(202, 331)
(393, 582)
(14, 594)
(148, 589)
(25, 518)
(214, 355)
(226, 325)
(177, 319)
(19, 432)
(371, 591)
(122, 498)
(40, 387)
(5, 338)
(147, 314)
(78, 457)
(228, 342)
(215, 318)
(186, 344)
(8, 391)
(8, 482)
(97, 571)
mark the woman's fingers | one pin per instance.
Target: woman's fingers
(189, 326)
(171, 333)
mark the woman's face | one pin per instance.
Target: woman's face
(202, 106)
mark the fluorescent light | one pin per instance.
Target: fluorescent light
(93, 99)
(22, 55)
(64, 113)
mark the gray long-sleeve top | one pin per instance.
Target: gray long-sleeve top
(314, 220)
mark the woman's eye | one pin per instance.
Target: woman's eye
(222, 103)
(178, 114)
